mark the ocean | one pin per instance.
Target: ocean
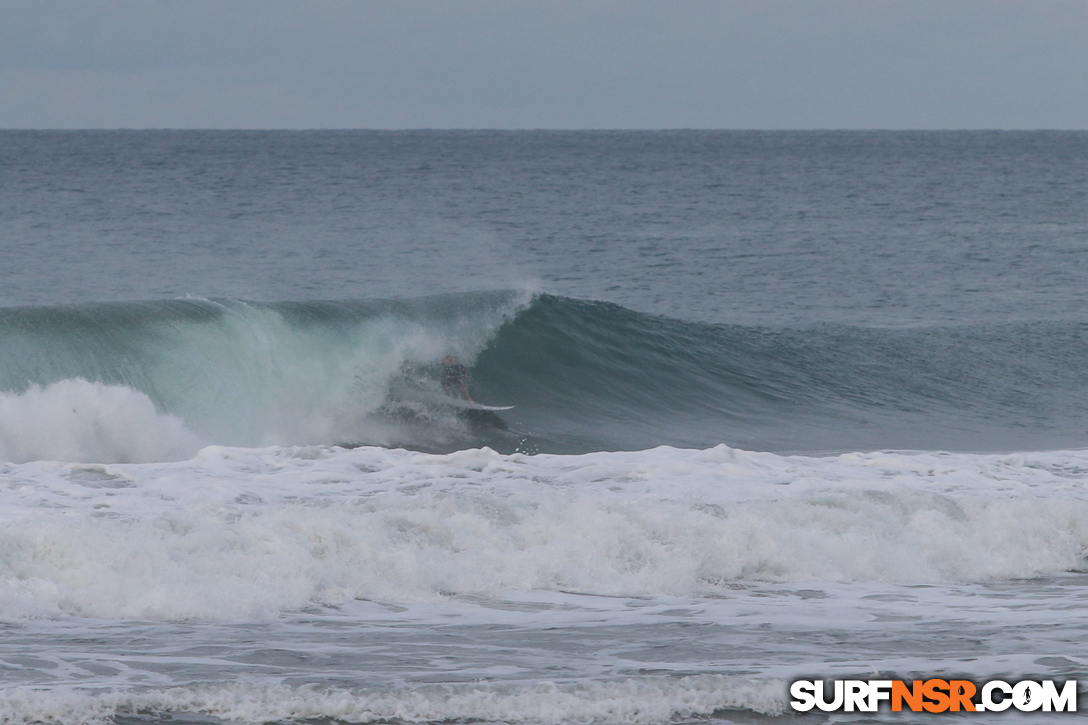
(786, 405)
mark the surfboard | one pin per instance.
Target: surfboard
(472, 405)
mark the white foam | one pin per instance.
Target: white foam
(249, 533)
(645, 700)
(77, 420)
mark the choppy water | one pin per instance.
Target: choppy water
(785, 405)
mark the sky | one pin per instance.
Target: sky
(557, 64)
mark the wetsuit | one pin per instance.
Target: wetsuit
(453, 378)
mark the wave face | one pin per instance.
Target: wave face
(591, 375)
(158, 380)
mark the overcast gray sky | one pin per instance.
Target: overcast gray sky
(771, 64)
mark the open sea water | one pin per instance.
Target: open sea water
(785, 405)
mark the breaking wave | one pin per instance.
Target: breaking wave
(158, 380)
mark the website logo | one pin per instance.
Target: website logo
(934, 696)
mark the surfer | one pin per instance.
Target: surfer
(454, 376)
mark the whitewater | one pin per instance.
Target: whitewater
(785, 406)
(270, 584)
